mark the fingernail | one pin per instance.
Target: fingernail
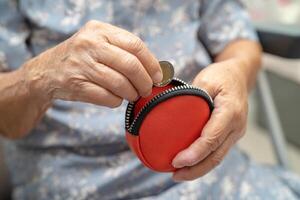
(176, 165)
(158, 76)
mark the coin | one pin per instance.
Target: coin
(168, 73)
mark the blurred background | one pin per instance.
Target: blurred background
(273, 135)
(275, 101)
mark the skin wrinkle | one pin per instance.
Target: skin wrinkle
(65, 58)
(67, 71)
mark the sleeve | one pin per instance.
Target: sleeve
(13, 35)
(223, 21)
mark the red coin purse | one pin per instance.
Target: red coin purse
(166, 122)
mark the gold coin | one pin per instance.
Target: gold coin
(168, 73)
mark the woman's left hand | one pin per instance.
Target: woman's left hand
(226, 82)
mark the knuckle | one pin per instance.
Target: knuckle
(132, 65)
(213, 143)
(75, 88)
(75, 85)
(137, 45)
(104, 47)
(73, 62)
(203, 81)
(93, 23)
(82, 42)
(102, 71)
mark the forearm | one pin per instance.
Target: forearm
(246, 55)
(20, 108)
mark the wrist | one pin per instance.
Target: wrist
(245, 69)
(36, 81)
(245, 56)
(20, 102)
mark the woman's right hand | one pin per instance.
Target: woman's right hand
(100, 64)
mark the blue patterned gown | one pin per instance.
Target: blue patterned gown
(78, 151)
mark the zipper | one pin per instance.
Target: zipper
(132, 124)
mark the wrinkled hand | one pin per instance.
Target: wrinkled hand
(226, 84)
(100, 64)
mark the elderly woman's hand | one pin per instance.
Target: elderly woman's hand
(100, 64)
(226, 83)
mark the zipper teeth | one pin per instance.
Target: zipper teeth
(130, 106)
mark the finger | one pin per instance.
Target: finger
(113, 81)
(133, 44)
(128, 65)
(92, 93)
(213, 160)
(203, 82)
(213, 135)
